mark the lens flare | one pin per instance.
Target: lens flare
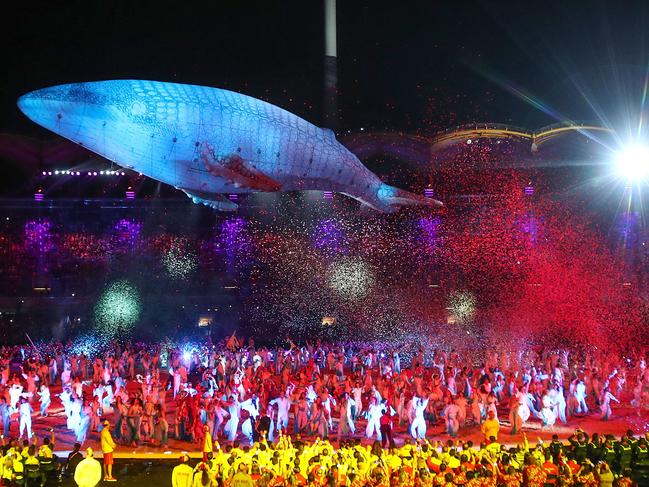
(633, 162)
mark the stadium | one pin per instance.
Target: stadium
(238, 279)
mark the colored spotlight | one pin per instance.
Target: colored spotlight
(633, 162)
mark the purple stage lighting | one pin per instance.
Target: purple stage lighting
(530, 224)
(234, 242)
(429, 227)
(627, 228)
(128, 231)
(328, 236)
(38, 235)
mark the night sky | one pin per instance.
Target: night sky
(412, 66)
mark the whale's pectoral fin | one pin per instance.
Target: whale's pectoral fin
(216, 201)
(235, 169)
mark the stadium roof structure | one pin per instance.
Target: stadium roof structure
(545, 146)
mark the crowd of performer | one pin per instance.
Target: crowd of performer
(235, 391)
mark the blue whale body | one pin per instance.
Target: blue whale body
(208, 141)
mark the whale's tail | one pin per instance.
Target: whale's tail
(389, 199)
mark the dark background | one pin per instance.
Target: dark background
(412, 66)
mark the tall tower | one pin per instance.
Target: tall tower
(330, 105)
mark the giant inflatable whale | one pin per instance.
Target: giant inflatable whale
(208, 141)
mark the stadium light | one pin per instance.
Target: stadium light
(633, 162)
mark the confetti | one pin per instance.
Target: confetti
(180, 262)
(117, 310)
(351, 278)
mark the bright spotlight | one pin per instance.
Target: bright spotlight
(633, 162)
